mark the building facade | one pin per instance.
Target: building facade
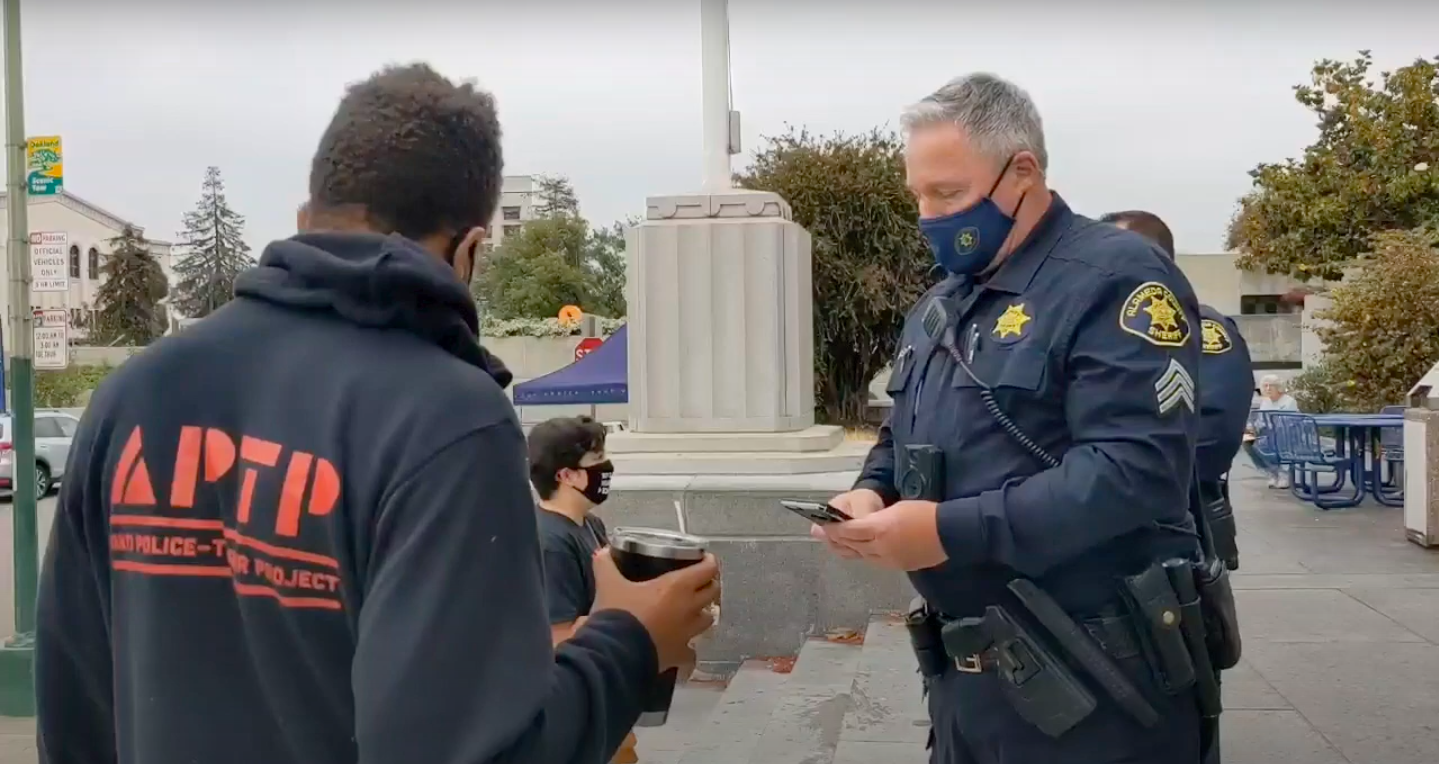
(518, 201)
(1279, 331)
(89, 229)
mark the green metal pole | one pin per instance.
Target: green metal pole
(22, 383)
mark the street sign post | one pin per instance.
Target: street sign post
(49, 261)
(44, 166)
(52, 339)
(17, 655)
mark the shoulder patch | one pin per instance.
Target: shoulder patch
(1153, 313)
(1174, 388)
(1214, 338)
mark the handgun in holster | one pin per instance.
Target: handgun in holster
(1036, 683)
(1214, 501)
(925, 639)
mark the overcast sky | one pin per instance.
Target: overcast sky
(1161, 109)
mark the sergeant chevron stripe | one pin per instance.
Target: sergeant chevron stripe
(1174, 387)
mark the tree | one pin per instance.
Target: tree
(556, 197)
(215, 251)
(128, 309)
(870, 262)
(1384, 322)
(553, 261)
(1374, 167)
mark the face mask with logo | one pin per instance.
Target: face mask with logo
(966, 242)
(597, 485)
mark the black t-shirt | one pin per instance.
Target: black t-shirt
(569, 571)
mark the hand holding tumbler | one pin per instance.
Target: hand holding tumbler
(643, 554)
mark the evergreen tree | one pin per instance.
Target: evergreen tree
(128, 308)
(215, 251)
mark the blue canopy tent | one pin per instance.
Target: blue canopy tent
(601, 376)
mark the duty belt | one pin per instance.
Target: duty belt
(1114, 635)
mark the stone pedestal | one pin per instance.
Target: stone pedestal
(721, 401)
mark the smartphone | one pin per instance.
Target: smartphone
(814, 511)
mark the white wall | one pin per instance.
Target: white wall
(88, 226)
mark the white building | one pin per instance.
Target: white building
(89, 229)
(518, 200)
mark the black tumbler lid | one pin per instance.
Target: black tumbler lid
(653, 542)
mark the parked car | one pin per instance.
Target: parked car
(54, 431)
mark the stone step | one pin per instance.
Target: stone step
(733, 728)
(689, 714)
(805, 726)
(887, 720)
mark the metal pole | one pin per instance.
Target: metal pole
(22, 381)
(714, 64)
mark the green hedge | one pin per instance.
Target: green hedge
(541, 327)
(62, 389)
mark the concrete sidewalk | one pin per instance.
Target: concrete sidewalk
(1340, 616)
(1341, 630)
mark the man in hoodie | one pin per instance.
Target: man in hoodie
(299, 532)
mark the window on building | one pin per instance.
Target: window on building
(1265, 304)
(511, 230)
(94, 265)
(74, 262)
(511, 213)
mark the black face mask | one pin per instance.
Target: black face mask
(597, 485)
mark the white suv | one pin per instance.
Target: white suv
(54, 431)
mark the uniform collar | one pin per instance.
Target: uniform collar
(1019, 268)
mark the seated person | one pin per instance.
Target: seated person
(1256, 442)
(570, 473)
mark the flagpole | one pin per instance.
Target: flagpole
(715, 72)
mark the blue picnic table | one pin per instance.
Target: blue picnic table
(1357, 447)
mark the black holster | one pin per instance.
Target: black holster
(925, 639)
(1214, 501)
(1221, 616)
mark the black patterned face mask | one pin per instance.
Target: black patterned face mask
(597, 485)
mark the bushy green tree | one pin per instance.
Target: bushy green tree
(869, 261)
(1383, 331)
(555, 260)
(128, 307)
(1373, 167)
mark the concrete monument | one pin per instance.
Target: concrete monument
(721, 397)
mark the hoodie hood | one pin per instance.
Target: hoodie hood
(385, 282)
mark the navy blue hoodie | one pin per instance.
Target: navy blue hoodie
(299, 532)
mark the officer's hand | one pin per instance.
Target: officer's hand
(861, 502)
(674, 608)
(905, 536)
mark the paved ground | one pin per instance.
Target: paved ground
(1341, 629)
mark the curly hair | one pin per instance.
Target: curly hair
(418, 153)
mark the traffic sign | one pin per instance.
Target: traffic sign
(49, 261)
(52, 341)
(587, 346)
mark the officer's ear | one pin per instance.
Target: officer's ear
(1026, 171)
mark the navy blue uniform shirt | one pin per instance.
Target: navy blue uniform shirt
(1087, 336)
(1226, 392)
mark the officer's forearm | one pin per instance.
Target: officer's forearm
(877, 474)
(1096, 494)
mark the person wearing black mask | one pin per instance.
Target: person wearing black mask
(571, 476)
(299, 532)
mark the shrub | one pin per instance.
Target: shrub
(1318, 389)
(1384, 332)
(62, 389)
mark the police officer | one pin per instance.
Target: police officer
(1226, 395)
(1043, 433)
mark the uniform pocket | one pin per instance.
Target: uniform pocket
(1020, 369)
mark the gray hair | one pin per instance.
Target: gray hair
(1270, 379)
(998, 115)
